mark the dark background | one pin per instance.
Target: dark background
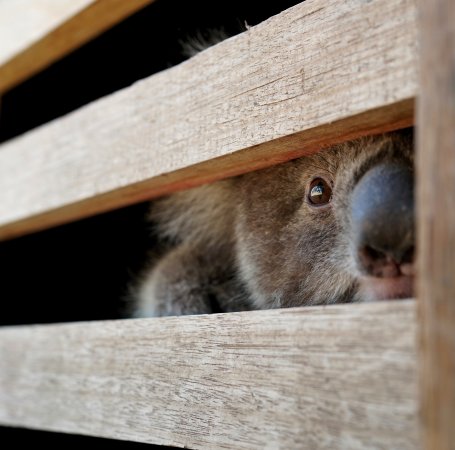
(81, 271)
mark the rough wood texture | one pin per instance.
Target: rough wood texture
(24, 22)
(319, 72)
(436, 242)
(35, 33)
(309, 378)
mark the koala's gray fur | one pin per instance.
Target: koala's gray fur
(254, 241)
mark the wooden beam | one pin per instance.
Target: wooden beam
(319, 72)
(36, 33)
(436, 220)
(319, 377)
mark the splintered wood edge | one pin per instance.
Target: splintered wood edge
(341, 376)
(62, 36)
(268, 95)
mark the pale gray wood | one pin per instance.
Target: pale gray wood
(319, 72)
(331, 377)
(36, 33)
(436, 220)
(24, 22)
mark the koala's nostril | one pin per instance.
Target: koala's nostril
(371, 254)
(408, 256)
(385, 264)
(377, 263)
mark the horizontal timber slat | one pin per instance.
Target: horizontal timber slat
(36, 33)
(318, 73)
(319, 377)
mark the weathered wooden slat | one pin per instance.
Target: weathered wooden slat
(320, 72)
(24, 22)
(436, 221)
(36, 33)
(321, 377)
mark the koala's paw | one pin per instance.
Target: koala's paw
(172, 288)
(171, 301)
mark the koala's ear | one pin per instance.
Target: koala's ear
(205, 38)
(202, 40)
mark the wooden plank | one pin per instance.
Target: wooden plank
(23, 22)
(436, 219)
(315, 74)
(36, 33)
(331, 377)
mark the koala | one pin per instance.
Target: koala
(333, 227)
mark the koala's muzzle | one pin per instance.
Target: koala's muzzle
(382, 214)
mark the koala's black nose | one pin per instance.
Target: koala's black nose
(382, 213)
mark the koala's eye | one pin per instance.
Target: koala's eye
(320, 192)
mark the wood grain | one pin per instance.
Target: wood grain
(36, 33)
(320, 377)
(436, 220)
(319, 72)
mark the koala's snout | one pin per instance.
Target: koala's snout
(382, 217)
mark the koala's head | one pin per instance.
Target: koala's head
(336, 226)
